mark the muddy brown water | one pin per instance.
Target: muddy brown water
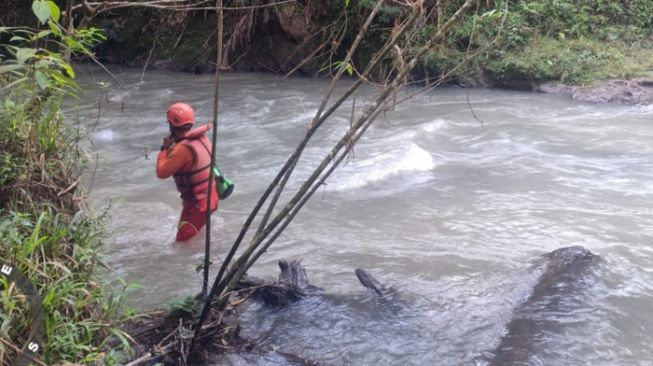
(448, 209)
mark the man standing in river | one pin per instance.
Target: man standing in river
(186, 155)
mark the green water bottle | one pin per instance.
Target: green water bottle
(224, 185)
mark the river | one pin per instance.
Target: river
(450, 209)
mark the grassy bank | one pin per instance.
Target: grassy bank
(533, 41)
(47, 232)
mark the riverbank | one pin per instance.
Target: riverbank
(636, 91)
(528, 46)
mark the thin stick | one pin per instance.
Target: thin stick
(242, 264)
(218, 284)
(350, 142)
(122, 85)
(144, 358)
(147, 62)
(325, 100)
(207, 243)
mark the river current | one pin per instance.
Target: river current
(451, 199)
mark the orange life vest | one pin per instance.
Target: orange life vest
(193, 184)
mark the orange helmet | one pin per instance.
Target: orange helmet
(180, 114)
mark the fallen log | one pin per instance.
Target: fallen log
(162, 337)
(367, 280)
(292, 286)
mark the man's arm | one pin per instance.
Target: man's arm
(170, 161)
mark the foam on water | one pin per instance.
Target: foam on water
(435, 125)
(360, 173)
(105, 135)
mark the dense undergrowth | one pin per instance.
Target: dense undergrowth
(46, 230)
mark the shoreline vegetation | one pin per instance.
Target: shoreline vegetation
(517, 44)
(48, 231)
(592, 50)
(51, 235)
(513, 44)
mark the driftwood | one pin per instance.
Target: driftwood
(292, 286)
(163, 336)
(367, 280)
(274, 221)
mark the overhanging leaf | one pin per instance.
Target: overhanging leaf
(24, 54)
(41, 80)
(9, 68)
(69, 70)
(42, 10)
(41, 34)
(55, 12)
(17, 38)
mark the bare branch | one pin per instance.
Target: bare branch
(95, 8)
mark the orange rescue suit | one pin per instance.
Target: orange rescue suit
(188, 161)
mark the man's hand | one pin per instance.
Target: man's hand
(167, 142)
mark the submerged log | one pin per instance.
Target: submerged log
(161, 336)
(292, 286)
(390, 299)
(367, 280)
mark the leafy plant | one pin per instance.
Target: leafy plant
(45, 231)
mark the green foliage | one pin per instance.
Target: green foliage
(186, 306)
(344, 66)
(46, 11)
(59, 256)
(27, 62)
(573, 41)
(44, 229)
(573, 61)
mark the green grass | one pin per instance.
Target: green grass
(47, 231)
(570, 61)
(50, 238)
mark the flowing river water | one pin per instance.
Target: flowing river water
(450, 210)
